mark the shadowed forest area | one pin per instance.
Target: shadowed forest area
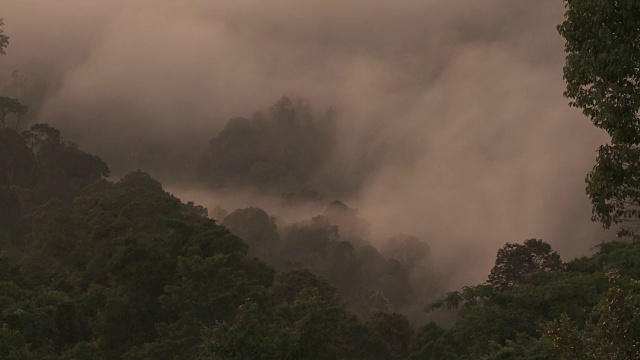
(100, 269)
(94, 266)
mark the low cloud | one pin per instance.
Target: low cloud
(460, 104)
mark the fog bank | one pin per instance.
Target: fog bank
(460, 105)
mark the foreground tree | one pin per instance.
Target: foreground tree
(612, 331)
(603, 79)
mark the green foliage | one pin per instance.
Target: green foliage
(335, 246)
(524, 347)
(603, 79)
(395, 330)
(16, 160)
(252, 335)
(588, 311)
(410, 251)
(109, 270)
(276, 152)
(289, 284)
(48, 166)
(306, 321)
(383, 283)
(141, 180)
(192, 208)
(351, 226)
(42, 135)
(53, 236)
(612, 331)
(257, 229)
(13, 346)
(602, 54)
(104, 270)
(11, 106)
(515, 262)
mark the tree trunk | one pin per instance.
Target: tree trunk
(18, 121)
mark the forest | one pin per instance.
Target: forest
(96, 266)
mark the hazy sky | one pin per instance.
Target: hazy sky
(465, 99)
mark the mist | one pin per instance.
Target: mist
(460, 105)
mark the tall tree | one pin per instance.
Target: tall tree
(514, 262)
(11, 106)
(4, 39)
(603, 79)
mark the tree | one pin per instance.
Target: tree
(603, 79)
(4, 39)
(275, 152)
(40, 135)
(612, 331)
(395, 330)
(11, 106)
(514, 262)
(12, 344)
(141, 180)
(16, 159)
(257, 229)
(409, 250)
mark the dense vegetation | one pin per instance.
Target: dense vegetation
(335, 245)
(603, 79)
(587, 309)
(277, 152)
(287, 151)
(98, 269)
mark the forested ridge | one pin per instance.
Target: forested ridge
(98, 268)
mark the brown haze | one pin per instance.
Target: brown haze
(461, 100)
